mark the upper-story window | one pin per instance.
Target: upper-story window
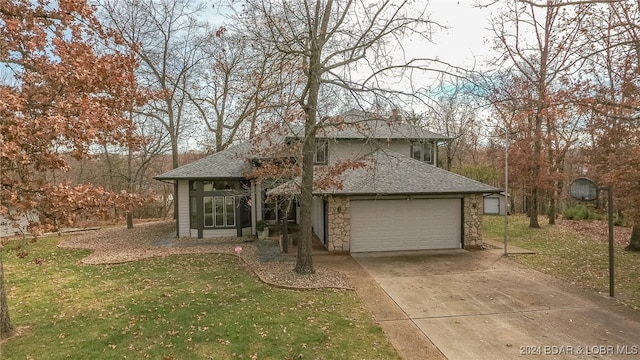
(321, 154)
(422, 151)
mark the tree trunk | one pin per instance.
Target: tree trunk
(304, 263)
(537, 157)
(130, 181)
(6, 329)
(533, 209)
(634, 242)
(552, 210)
(129, 220)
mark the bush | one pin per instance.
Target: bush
(580, 212)
(621, 220)
(261, 225)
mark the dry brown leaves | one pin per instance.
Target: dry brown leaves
(156, 239)
(597, 230)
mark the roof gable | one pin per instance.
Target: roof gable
(388, 172)
(228, 163)
(394, 173)
(355, 125)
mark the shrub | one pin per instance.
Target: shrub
(261, 225)
(580, 212)
(621, 220)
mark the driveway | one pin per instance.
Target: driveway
(479, 305)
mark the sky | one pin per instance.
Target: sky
(467, 34)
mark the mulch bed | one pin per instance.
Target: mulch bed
(117, 245)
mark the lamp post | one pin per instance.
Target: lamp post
(506, 189)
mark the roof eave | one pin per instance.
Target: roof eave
(160, 178)
(465, 192)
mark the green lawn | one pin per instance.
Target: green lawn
(178, 307)
(580, 259)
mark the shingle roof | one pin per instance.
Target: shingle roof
(389, 172)
(356, 124)
(229, 163)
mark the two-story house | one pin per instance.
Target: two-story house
(400, 200)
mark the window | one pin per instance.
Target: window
(219, 211)
(208, 186)
(322, 151)
(422, 151)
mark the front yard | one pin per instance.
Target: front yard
(212, 306)
(575, 251)
(191, 306)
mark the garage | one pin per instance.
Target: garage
(393, 225)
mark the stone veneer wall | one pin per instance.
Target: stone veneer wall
(339, 232)
(473, 210)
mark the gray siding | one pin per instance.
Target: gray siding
(183, 208)
(354, 149)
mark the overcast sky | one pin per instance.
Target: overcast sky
(467, 33)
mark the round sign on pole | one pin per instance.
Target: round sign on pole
(583, 189)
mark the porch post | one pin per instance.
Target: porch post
(259, 202)
(200, 208)
(254, 207)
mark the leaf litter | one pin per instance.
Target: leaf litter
(117, 245)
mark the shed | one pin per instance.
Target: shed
(497, 204)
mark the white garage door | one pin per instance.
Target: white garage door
(391, 225)
(491, 205)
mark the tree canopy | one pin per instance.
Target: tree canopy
(67, 86)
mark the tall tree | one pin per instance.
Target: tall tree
(235, 87)
(335, 45)
(614, 99)
(540, 45)
(68, 91)
(168, 38)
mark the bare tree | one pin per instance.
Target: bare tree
(168, 38)
(453, 114)
(613, 65)
(541, 46)
(235, 88)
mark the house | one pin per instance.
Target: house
(399, 201)
(12, 224)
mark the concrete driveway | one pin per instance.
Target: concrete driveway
(479, 305)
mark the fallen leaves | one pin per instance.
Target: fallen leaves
(154, 239)
(597, 230)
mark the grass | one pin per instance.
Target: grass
(178, 307)
(579, 259)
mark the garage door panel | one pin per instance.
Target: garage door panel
(491, 205)
(390, 225)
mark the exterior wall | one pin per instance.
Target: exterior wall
(317, 213)
(10, 228)
(353, 149)
(473, 211)
(210, 233)
(339, 231)
(183, 227)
